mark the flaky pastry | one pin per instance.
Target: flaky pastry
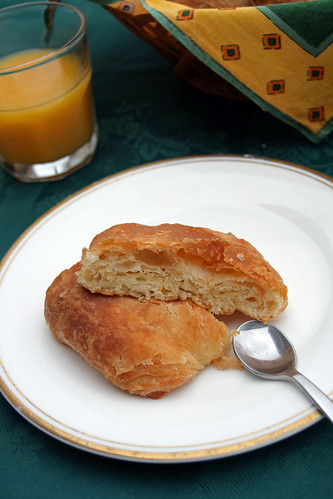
(147, 348)
(176, 262)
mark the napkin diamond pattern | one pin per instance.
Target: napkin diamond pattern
(281, 56)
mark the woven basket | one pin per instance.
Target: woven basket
(186, 65)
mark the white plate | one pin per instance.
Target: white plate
(283, 210)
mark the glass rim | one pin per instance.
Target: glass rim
(54, 52)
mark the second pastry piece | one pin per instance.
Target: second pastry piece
(146, 348)
(172, 261)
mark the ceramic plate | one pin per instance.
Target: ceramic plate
(283, 210)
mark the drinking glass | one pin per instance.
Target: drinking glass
(48, 127)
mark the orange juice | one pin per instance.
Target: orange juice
(46, 111)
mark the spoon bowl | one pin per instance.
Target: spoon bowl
(266, 352)
(264, 349)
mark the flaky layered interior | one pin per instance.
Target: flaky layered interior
(168, 275)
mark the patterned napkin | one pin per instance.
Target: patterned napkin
(279, 56)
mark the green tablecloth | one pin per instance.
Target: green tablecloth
(146, 115)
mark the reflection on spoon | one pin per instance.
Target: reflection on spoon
(265, 351)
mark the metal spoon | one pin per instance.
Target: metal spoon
(265, 351)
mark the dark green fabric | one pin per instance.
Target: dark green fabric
(309, 23)
(144, 115)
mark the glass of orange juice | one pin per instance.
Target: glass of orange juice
(47, 120)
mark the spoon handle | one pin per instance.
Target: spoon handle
(321, 400)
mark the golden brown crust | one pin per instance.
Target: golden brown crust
(218, 271)
(215, 250)
(146, 348)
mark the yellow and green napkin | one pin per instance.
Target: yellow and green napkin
(279, 56)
